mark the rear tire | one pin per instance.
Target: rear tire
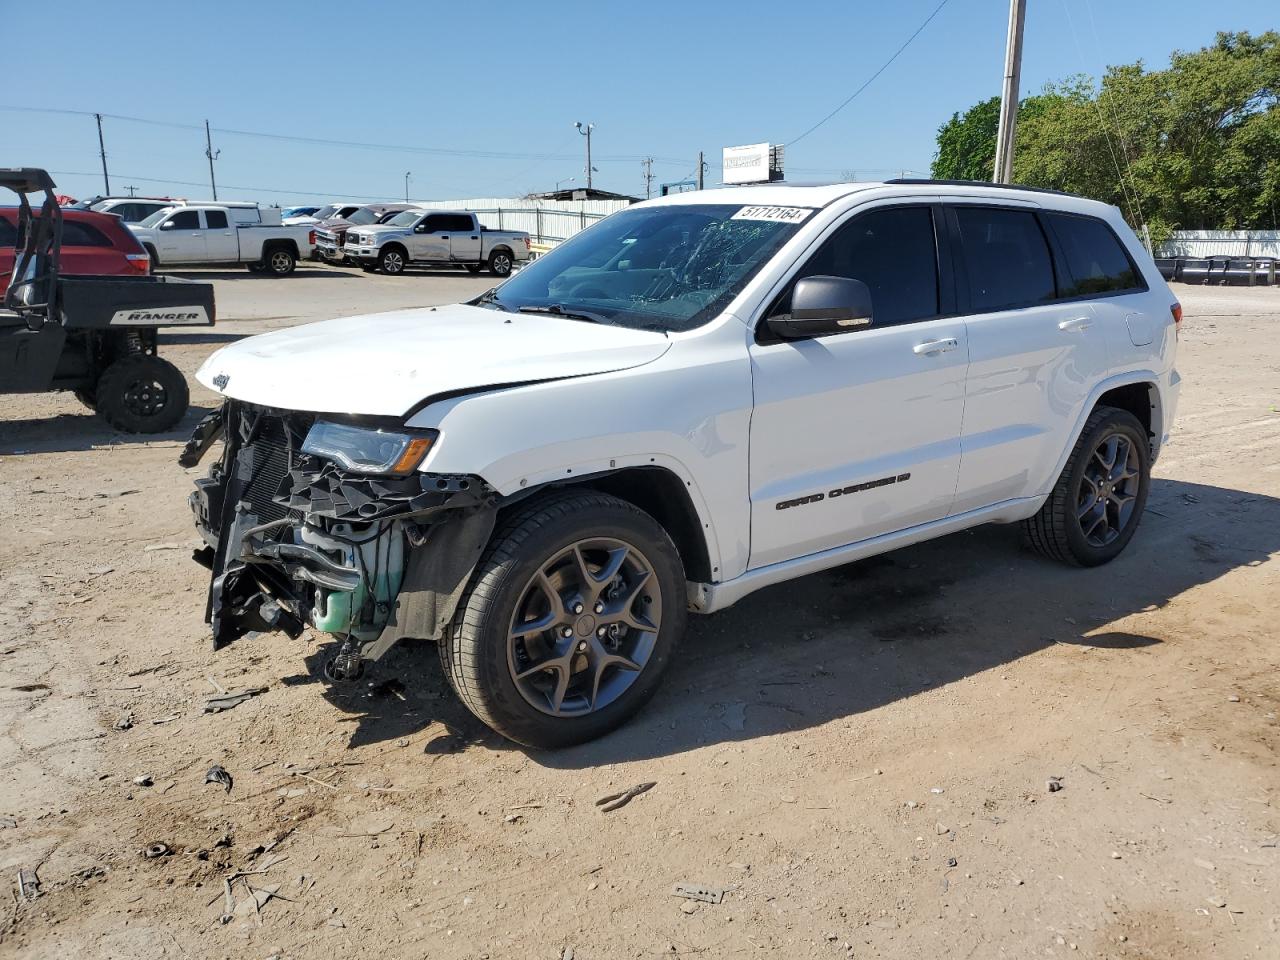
(500, 263)
(279, 261)
(1097, 503)
(609, 668)
(141, 393)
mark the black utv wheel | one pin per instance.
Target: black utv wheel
(500, 263)
(88, 396)
(279, 261)
(142, 394)
(571, 617)
(1096, 505)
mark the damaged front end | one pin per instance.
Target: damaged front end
(294, 539)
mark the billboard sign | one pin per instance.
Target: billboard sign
(746, 164)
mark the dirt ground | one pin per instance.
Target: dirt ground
(859, 759)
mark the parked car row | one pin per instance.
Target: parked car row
(385, 237)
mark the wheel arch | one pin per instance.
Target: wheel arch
(283, 243)
(1138, 393)
(501, 248)
(660, 492)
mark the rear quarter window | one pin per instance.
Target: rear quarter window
(76, 234)
(1096, 261)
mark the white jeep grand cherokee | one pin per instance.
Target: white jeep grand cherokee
(695, 398)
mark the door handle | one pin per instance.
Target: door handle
(445, 237)
(935, 346)
(1075, 324)
(475, 238)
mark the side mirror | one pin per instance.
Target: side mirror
(167, 225)
(823, 305)
(420, 228)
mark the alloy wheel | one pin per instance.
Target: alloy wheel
(1108, 490)
(584, 626)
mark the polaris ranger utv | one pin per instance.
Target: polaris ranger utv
(95, 336)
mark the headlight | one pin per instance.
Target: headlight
(368, 449)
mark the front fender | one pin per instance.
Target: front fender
(689, 416)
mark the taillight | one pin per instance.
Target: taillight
(1176, 309)
(138, 262)
(311, 238)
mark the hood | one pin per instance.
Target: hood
(333, 225)
(385, 364)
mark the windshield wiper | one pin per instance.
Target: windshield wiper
(490, 298)
(558, 310)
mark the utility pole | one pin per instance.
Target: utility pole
(647, 163)
(102, 152)
(1009, 95)
(407, 175)
(701, 169)
(585, 129)
(208, 152)
(133, 191)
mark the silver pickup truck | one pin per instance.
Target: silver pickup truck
(436, 237)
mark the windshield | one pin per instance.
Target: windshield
(364, 215)
(667, 268)
(405, 218)
(324, 213)
(156, 217)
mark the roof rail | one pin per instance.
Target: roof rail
(925, 181)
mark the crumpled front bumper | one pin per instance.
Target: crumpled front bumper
(287, 534)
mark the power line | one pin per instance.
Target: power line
(885, 66)
(321, 141)
(226, 186)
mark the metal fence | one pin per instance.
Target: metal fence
(546, 221)
(1221, 243)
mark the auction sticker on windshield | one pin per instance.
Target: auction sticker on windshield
(774, 214)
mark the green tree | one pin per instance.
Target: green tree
(1195, 146)
(967, 143)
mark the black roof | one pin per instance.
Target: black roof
(25, 179)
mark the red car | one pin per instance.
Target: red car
(92, 243)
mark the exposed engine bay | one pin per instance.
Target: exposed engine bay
(294, 540)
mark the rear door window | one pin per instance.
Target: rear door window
(216, 219)
(1006, 258)
(1096, 260)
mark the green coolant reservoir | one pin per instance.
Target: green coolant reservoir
(340, 611)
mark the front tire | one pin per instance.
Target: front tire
(1094, 509)
(141, 393)
(392, 261)
(572, 615)
(500, 263)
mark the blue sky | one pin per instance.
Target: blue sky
(658, 78)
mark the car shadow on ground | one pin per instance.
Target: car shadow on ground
(841, 643)
(82, 431)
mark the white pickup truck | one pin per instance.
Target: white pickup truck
(435, 237)
(695, 398)
(210, 234)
